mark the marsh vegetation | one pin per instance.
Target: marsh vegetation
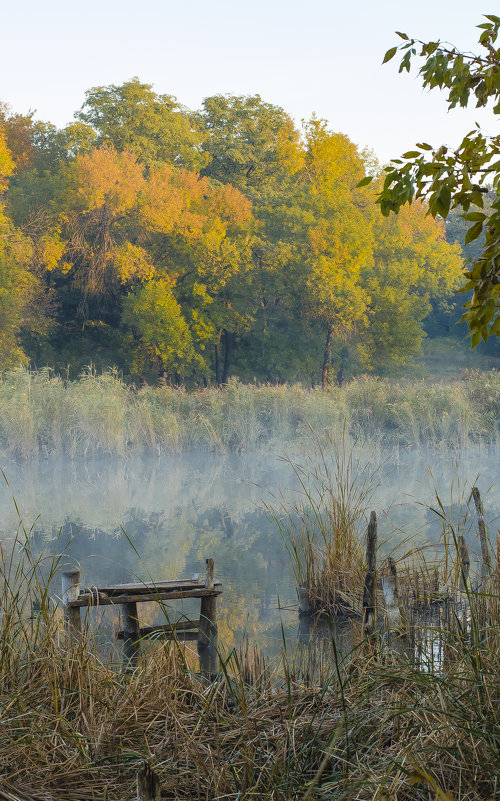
(41, 414)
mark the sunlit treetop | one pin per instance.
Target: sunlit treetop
(133, 117)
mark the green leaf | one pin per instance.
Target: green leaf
(402, 35)
(495, 327)
(473, 232)
(475, 216)
(390, 54)
(364, 181)
(424, 146)
(476, 339)
(442, 200)
(411, 154)
(493, 18)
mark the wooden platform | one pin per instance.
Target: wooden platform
(143, 593)
(203, 630)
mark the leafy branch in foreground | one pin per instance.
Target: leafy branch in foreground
(458, 178)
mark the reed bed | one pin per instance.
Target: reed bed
(320, 525)
(41, 414)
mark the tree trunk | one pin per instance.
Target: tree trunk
(217, 358)
(228, 344)
(344, 354)
(327, 355)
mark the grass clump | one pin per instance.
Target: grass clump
(320, 528)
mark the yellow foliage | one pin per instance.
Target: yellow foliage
(132, 262)
(7, 165)
(411, 250)
(50, 249)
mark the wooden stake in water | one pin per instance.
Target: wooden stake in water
(394, 610)
(485, 554)
(148, 784)
(370, 588)
(70, 592)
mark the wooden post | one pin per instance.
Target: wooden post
(148, 784)
(370, 588)
(463, 563)
(208, 610)
(70, 592)
(306, 608)
(131, 634)
(394, 609)
(485, 554)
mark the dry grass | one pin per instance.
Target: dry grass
(378, 724)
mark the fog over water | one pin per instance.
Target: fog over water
(160, 518)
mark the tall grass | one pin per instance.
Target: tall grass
(41, 414)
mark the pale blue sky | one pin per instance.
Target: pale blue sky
(305, 55)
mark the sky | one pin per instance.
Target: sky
(321, 56)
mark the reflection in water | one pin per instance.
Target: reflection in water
(147, 519)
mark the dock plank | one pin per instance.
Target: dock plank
(92, 599)
(137, 588)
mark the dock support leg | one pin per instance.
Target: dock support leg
(131, 631)
(70, 592)
(148, 784)
(207, 635)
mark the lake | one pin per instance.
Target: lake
(147, 518)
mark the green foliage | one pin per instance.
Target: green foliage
(133, 117)
(161, 333)
(458, 179)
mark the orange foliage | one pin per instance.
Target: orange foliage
(108, 178)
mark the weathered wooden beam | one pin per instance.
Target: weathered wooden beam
(92, 600)
(131, 633)
(70, 592)
(166, 628)
(463, 563)
(485, 554)
(138, 588)
(395, 612)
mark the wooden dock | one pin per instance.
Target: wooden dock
(203, 630)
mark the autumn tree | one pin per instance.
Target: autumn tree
(160, 336)
(339, 240)
(21, 304)
(200, 237)
(253, 146)
(412, 265)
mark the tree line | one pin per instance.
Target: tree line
(197, 245)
